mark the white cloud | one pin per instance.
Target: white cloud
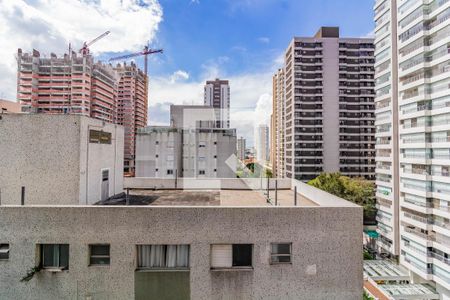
(179, 75)
(49, 25)
(264, 40)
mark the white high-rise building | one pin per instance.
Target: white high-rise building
(262, 143)
(412, 39)
(217, 95)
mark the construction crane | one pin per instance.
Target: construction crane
(85, 49)
(146, 51)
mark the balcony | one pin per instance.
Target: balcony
(439, 257)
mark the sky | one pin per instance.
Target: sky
(239, 40)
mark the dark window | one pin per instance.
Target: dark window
(242, 255)
(4, 251)
(55, 256)
(99, 255)
(201, 172)
(99, 137)
(280, 253)
(169, 172)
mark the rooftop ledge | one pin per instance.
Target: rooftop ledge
(233, 193)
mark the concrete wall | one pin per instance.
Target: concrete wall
(50, 156)
(326, 263)
(41, 153)
(97, 157)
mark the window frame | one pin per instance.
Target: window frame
(232, 267)
(272, 254)
(5, 248)
(54, 268)
(90, 264)
(164, 268)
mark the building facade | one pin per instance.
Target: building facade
(217, 95)
(262, 144)
(66, 85)
(329, 106)
(277, 128)
(132, 110)
(70, 159)
(191, 252)
(413, 141)
(241, 148)
(191, 147)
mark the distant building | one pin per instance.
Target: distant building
(217, 95)
(191, 147)
(69, 84)
(277, 126)
(328, 106)
(240, 148)
(132, 105)
(262, 143)
(9, 107)
(67, 159)
(76, 84)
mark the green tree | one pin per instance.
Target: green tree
(357, 190)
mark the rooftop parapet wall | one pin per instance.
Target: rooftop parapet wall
(326, 261)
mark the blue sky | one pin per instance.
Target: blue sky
(239, 40)
(249, 34)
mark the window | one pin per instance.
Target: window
(55, 256)
(156, 170)
(280, 253)
(169, 172)
(157, 143)
(163, 256)
(99, 255)
(99, 137)
(4, 251)
(231, 256)
(202, 144)
(201, 172)
(157, 155)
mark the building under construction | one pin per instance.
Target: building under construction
(132, 103)
(74, 84)
(69, 84)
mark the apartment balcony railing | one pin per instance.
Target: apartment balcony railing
(420, 267)
(441, 156)
(415, 109)
(416, 249)
(412, 141)
(417, 218)
(417, 156)
(441, 140)
(418, 203)
(419, 234)
(439, 257)
(442, 239)
(442, 224)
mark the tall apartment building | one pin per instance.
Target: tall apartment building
(329, 106)
(241, 148)
(413, 135)
(66, 85)
(262, 143)
(217, 95)
(132, 107)
(277, 125)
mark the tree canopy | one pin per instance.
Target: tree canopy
(357, 190)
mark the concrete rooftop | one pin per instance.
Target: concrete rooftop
(210, 198)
